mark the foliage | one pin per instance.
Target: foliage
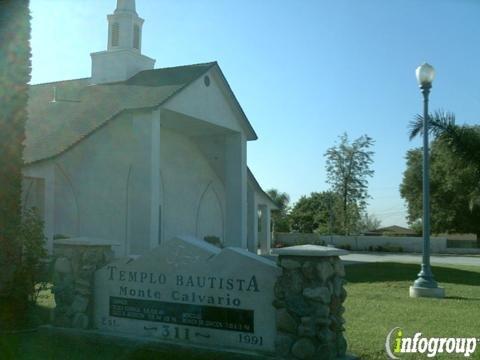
(463, 140)
(452, 183)
(14, 78)
(31, 272)
(316, 213)
(213, 240)
(368, 223)
(280, 216)
(459, 147)
(33, 268)
(386, 248)
(417, 226)
(348, 168)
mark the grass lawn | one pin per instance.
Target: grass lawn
(37, 346)
(377, 302)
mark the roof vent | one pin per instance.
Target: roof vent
(54, 99)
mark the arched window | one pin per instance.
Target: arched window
(115, 34)
(136, 37)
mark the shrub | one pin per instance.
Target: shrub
(214, 240)
(385, 248)
(33, 266)
(31, 269)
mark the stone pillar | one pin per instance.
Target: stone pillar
(308, 298)
(76, 261)
(236, 190)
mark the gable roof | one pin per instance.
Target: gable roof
(394, 229)
(251, 178)
(79, 108)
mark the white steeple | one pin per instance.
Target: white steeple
(123, 57)
(127, 5)
(125, 27)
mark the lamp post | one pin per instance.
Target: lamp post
(425, 285)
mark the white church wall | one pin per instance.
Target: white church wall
(252, 220)
(98, 169)
(43, 175)
(236, 190)
(208, 103)
(144, 195)
(118, 66)
(194, 196)
(33, 194)
(66, 208)
(210, 218)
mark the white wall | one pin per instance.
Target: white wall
(103, 186)
(194, 196)
(97, 169)
(208, 103)
(39, 191)
(363, 243)
(67, 220)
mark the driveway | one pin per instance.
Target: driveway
(365, 257)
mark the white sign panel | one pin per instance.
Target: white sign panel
(192, 292)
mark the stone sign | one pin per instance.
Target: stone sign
(189, 291)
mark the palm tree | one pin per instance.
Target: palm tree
(280, 198)
(280, 216)
(462, 140)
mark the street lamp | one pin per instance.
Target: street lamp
(425, 285)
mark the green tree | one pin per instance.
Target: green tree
(367, 223)
(452, 183)
(348, 168)
(462, 140)
(460, 146)
(14, 78)
(280, 216)
(316, 213)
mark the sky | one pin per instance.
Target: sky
(304, 72)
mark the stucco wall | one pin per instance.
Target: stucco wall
(102, 187)
(90, 184)
(206, 102)
(193, 195)
(363, 243)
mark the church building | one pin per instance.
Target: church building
(137, 155)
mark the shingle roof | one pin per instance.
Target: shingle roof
(81, 108)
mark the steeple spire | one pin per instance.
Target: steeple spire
(125, 27)
(125, 5)
(123, 57)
